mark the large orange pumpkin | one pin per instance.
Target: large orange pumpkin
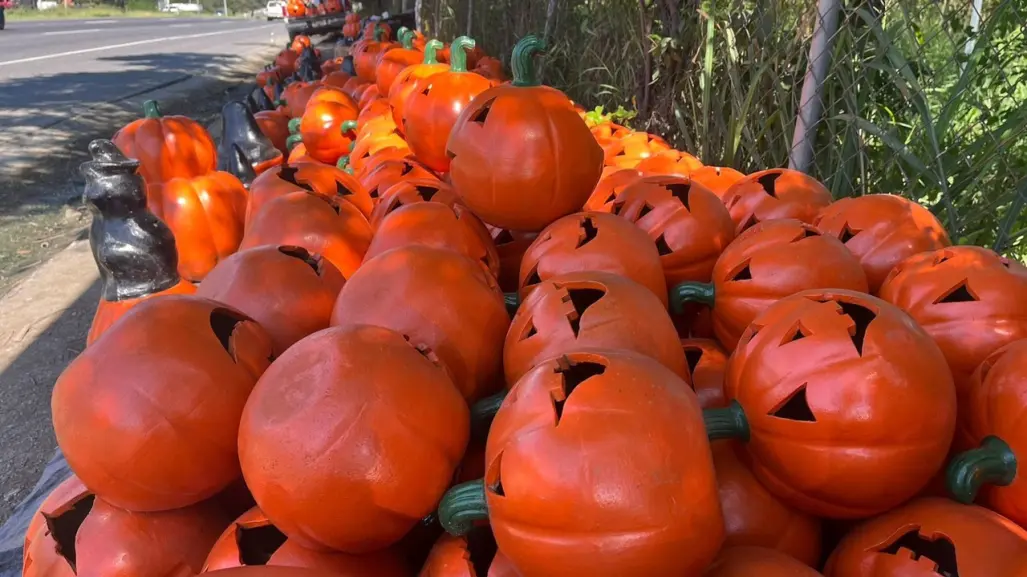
(845, 403)
(593, 241)
(609, 188)
(396, 60)
(775, 194)
(365, 55)
(406, 82)
(969, 299)
(716, 178)
(324, 225)
(306, 456)
(296, 95)
(766, 263)
(594, 310)
(389, 172)
(991, 417)
(757, 561)
(472, 556)
(431, 111)
(312, 176)
(707, 363)
(439, 298)
(566, 439)
(882, 230)
(167, 146)
(688, 223)
(521, 155)
(327, 129)
(147, 415)
(76, 533)
(410, 191)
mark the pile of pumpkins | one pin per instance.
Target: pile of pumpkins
(302, 9)
(356, 326)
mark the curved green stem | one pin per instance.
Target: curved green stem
(294, 125)
(431, 51)
(512, 301)
(280, 102)
(458, 53)
(151, 109)
(377, 33)
(343, 165)
(292, 141)
(726, 423)
(483, 412)
(992, 463)
(522, 61)
(406, 37)
(352, 145)
(349, 126)
(462, 506)
(691, 292)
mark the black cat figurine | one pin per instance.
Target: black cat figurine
(240, 129)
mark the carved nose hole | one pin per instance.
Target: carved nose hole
(795, 407)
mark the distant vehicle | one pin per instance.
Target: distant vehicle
(177, 7)
(275, 9)
(46, 5)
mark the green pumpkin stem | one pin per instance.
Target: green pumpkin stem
(151, 109)
(294, 125)
(377, 33)
(726, 423)
(431, 50)
(406, 37)
(992, 463)
(522, 61)
(292, 141)
(343, 165)
(458, 53)
(483, 412)
(512, 301)
(462, 506)
(349, 126)
(691, 292)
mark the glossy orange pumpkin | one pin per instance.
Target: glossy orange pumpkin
(791, 383)
(669, 162)
(328, 130)
(632, 148)
(390, 172)
(753, 517)
(252, 540)
(274, 124)
(467, 557)
(521, 155)
(431, 111)
(589, 310)
(366, 55)
(167, 146)
(752, 561)
(451, 227)
(511, 247)
(428, 294)
(969, 299)
(156, 400)
(366, 149)
(324, 225)
(882, 230)
(716, 178)
(295, 97)
(206, 215)
(931, 537)
(775, 194)
(77, 533)
(609, 188)
(566, 439)
(593, 241)
(410, 191)
(395, 60)
(406, 82)
(688, 223)
(321, 179)
(707, 363)
(380, 390)
(288, 290)
(766, 263)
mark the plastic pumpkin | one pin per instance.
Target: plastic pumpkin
(991, 417)
(275, 125)
(296, 95)
(521, 157)
(167, 146)
(327, 129)
(407, 81)
(467, 557)
(429, 294)
(792, 382)
(716, 178)
(775, 194)
(593, 241)
(669, 162)
(510, 246)
(969, 299)
(76, 533)
(594, 310)
(766, 263)
(609, 188)
(632, 148)
(431, 111)
(707, 363)
(315, 177)
(395, 60)
(567, 434)
(931, 537)
(688, 223)
(390, 172)
(752, 561)
(377, 389)
(365, 55)
(156, 400)
(882, 230)
(410, 191)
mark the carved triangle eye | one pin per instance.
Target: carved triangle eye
(257, 544)
(341, 190)
(769, 183)
(574, 374)
(662, 247)
(861, 318)
(529, 330)
(847, 233)
(750, 222)
(958, 294)
(693, 355)
(532, 278)
(795, 407)
(588, 232)
(680, 191)
(798, 333)
(482, 114)
(581, 299)
(427, 192)
(743, 273)
(646, 209)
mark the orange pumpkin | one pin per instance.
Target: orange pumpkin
(752, 561)
(321, 179)
(420, 291)
(327, 130)
(410, 191)
(589, 310)
(395, 60)
(511, 247)
(607, 132)
(610, 186)
(568, 434)
(384, 390)
(633, 148)
(366, 148)
(167, 146)
(791, 383)
(592, 241)
(275, 125)
(469, 556)
(688, 223)
(707, 362)
(490, 68)
(716, 178)
(431, 111)
(365, 56)
(390, 172)
(406, 82)
(882, 230)
(147, 415)
(521, 156)
(969, 299)
(775, 194)
(294, 98)
(667, 162)
(766, 263)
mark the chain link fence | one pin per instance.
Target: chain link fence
(924, 98)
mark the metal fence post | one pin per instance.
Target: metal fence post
(800, 156)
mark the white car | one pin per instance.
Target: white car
(275, 9)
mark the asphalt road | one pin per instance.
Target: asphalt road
(46, 67)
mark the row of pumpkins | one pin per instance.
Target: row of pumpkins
(356, 325)
(302, 9)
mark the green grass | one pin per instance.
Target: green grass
(61, 13)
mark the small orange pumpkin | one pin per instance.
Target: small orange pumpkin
(167, 146)
(775, 194)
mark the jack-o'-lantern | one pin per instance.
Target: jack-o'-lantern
(321, 179)
(775, 194)
(707, 363)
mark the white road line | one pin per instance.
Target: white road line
(62, 32)
(99, 21)
(127, 44)
(179, 25)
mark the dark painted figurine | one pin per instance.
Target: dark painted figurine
(240, 128)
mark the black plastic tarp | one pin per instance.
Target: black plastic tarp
(12, 533)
